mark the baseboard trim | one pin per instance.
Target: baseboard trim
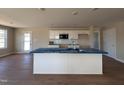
(122, 61)
(7, 54)
(21, 52)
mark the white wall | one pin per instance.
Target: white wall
(120, 41)
(119, 26)
(40, 38)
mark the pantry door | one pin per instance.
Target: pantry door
(109, 41)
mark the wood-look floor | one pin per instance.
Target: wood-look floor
(17, 69)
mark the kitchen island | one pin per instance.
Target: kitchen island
(67, 61)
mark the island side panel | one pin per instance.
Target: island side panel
(67, 63)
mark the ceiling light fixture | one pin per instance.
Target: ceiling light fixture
(42, 9)
(94, 9)
(75, 13)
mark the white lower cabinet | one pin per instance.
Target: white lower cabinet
(53, 46)
(72, 46)
(67, 63)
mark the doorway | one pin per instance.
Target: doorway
(27, 41)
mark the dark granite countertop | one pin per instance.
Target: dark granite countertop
(68, 50)
(65, 44)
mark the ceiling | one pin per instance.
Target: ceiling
(59, 17)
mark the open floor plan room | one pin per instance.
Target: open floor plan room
(61, 46)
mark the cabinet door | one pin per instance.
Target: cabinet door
(75, 35)
(53, 46)
(56, 35)
(70, 34)
(52, 35)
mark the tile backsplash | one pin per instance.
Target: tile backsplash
(59, 41)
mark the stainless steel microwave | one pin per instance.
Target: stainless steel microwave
(63, 36)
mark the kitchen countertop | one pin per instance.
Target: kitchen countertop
(68, 50)
(63, 44)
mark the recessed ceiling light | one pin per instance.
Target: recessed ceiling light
(42, 9)
(75, 12)
(94, 9)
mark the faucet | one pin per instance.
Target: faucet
(73, 43)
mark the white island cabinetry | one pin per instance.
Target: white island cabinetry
(67, 63)
(53, 46)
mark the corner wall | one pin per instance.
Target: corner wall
(119, 38)
(120, 41)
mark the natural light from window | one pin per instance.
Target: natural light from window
(3, 38)
(27, 41)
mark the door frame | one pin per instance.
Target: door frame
(30, 41)
(115, 54)
(99, 45)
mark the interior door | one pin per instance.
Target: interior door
(27, 41)
(109, 41)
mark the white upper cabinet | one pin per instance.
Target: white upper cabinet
(56, 35)
(52, 34)
(73, 34)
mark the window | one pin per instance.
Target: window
(27, 41)
(3, 38)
